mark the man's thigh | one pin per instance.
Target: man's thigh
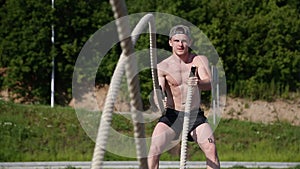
(163, 132)
(203, 134)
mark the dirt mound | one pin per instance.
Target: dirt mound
(236, 108)
(263, 111)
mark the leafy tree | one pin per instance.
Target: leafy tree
(25, 47)
(258, 42)
(75, 22)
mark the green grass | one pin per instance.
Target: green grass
(248, 141)
(41, 133)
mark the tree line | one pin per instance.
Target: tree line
(257, 41)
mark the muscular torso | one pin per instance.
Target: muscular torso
(173, 76)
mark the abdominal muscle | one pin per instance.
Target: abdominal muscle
(178, 99)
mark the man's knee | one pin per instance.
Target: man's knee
(210, 151)
(209, 148)
(155, 150)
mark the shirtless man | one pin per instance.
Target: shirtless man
(173, 76)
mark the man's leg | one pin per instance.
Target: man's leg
(203, 135)
(161, 137)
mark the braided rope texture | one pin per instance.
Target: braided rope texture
(127, 58)
(186, 121)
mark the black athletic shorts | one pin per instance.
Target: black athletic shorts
(174, 119)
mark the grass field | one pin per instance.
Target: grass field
(41, 133)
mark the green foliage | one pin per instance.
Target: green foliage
(260, 90)
(75, 22)
(258, 42)
(25, 47)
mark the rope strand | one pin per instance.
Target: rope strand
(128, 59)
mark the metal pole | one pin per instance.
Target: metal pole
(53, 65)
(215, 93)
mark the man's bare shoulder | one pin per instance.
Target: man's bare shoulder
(202, 59)
(164, 64)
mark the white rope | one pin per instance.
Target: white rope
(153, 58)
(185, 128)
(119, 10)
(106, 117)
(149, 19)
(136, 103)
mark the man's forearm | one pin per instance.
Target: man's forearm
(204, 84)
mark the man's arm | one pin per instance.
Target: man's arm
(204, 73)
(159, 95)
(162, 85)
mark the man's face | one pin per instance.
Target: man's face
(180, 44)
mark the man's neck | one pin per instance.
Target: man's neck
(183, 58)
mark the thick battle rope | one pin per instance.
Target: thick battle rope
(106, 117)
(185, 128)
(128, 60)
(149, 19)
(128, 64)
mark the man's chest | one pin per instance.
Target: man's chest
(178, 74)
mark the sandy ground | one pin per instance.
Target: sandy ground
(263, 111)
(236, 108)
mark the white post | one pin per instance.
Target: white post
(215, 93)
(53, 65)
